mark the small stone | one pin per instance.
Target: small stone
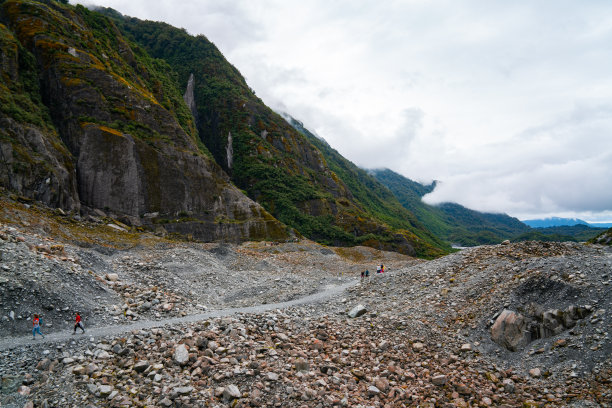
(535, 372)
(231, 392)
(141, 366)
(373, 390)
(466, 347)
(113, 277)
(418, 346)
(439, 379)
(181, 354)
(105, 390)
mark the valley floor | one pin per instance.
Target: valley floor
(179, 324)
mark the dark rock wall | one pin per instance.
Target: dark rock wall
(121, 150)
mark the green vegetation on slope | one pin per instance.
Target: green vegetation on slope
(377, 200)
(19, 86)
(573, 233)
(452, 222)
(276, 165)
(605, 238)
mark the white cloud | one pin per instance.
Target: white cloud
(509, 104)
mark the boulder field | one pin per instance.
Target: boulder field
(186, 324)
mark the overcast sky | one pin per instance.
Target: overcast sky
(507, 103)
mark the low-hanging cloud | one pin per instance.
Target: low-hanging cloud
(558, 168)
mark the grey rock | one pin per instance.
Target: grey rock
(141, 366)
(373, 390)
(183, 390)
(105, 390)
(231, 392)
(439, 379)
(357, 311)
(181, 354)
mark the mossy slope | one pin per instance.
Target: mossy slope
(265, 156)
(121, 118)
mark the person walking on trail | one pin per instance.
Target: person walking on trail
(378, 269)
(78, 323)
(36, 321)
(367, 275)
(362, 275)
(382, 268)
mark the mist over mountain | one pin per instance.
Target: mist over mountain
(453, 222)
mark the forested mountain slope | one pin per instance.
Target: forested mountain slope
(452, 222)
(141, 121)
(266, 157)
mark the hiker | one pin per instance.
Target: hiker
(362, 275)
(382, 268)
(367, 275)
(78, 323)
(378, 269)
(36, 321)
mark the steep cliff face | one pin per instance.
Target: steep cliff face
(33, 160)
(126, 136)
(265, 156)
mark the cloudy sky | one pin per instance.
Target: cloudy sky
(507, 103)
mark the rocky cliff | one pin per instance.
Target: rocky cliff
(108, 129)
(275, 164)
(142, 121)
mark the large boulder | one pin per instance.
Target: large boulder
(357, 311)
(510, 330)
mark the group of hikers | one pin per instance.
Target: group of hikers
(365, 275)
(37, 322)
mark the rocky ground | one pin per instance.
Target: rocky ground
(418, 335)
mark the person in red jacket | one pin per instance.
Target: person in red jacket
(36, 322)
(78, 323)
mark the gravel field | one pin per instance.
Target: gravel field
(183, 324)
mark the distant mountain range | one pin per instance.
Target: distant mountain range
(559, 222)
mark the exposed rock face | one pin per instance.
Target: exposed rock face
(131, 154)
(510, 331)
(33, 161)
(514, 331)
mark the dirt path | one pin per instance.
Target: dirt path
(330, 291)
